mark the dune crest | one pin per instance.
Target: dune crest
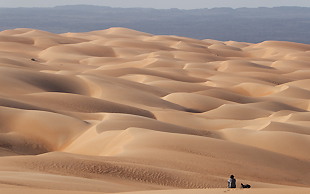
(118, 110)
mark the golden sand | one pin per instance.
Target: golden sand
(124, 111)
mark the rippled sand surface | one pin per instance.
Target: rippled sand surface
(125, 111)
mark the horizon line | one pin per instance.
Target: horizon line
(149, 7)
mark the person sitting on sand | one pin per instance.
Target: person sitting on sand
(232, 182)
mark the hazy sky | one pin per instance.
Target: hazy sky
(159, 4)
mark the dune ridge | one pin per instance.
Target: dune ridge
(122, 111)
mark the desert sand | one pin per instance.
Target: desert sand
(122, 111)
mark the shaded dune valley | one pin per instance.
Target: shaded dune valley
(122, 111)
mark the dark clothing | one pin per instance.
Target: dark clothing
(232, 183)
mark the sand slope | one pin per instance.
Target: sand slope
(119, 110)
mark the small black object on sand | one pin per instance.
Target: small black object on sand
(245, 186)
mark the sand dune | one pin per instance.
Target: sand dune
(122, 111)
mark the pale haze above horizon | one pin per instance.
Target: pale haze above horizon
(159, 4)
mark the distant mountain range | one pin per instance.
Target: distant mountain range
(242, 24)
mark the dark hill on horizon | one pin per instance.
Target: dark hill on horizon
(242, 24)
